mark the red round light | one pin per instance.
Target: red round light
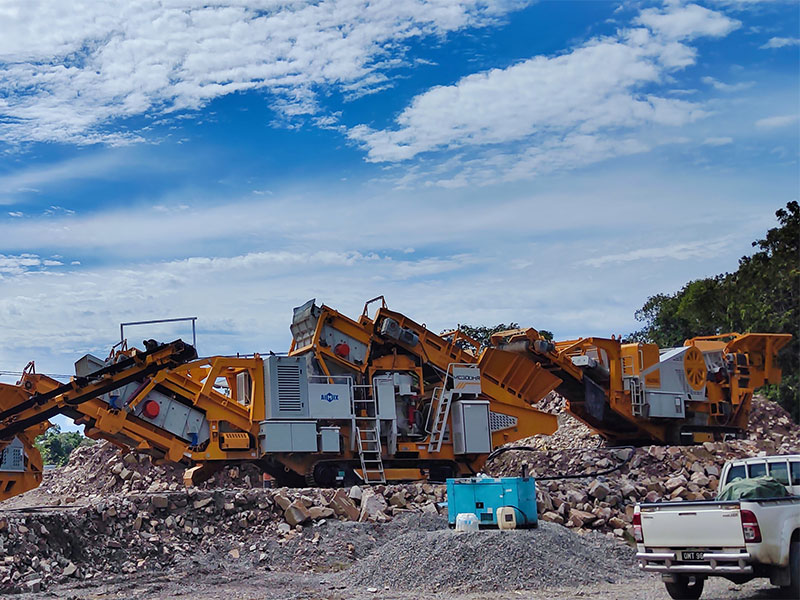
(151, 409)
(342, 350)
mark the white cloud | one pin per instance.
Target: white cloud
(586, 90)
(781, 42)
(551, 112)
(515, 255)
(717, 141)
(82, 64)
(687, 22)
(680, 251)
(23, 263)
(777, 121)
(727, 87)
(32, 179)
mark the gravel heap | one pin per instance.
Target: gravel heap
(108, 534)
(654, 473)
(494, 560)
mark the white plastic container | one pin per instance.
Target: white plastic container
(506, 518)
(466, 522)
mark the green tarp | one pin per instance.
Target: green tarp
(753, 489)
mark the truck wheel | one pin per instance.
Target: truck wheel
(684, 589)
(794, 569)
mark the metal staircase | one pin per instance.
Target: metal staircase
(443, 398)
(368, 439)
(638, 402)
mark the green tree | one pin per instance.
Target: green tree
(56, 446)
(483, 333)
(762, 295)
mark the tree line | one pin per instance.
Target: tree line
(762, 296)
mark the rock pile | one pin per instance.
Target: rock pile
(652, 473)
(130, 532)
(571, 433)
(101, 469)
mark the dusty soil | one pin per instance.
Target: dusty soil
(234, 584)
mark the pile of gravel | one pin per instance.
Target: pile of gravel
(494, 560)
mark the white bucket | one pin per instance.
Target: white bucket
(466, 522)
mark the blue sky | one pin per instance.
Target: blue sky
(550, 163)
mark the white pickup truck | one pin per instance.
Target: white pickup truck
(688, 542)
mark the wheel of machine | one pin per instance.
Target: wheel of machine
(442, 472)
(322, 474)
(695, 368)
(327, 474)
(683, 588)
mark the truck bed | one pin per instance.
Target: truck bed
(706, 537)
(704, 524)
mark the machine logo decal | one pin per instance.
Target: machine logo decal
(329, 397)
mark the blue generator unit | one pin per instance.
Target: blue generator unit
(482, 496)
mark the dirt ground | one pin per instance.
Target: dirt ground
(267, 585)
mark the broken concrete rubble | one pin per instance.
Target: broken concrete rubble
(120, 514)
(654, 473)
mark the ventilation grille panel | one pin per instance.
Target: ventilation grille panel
(290, 398)
(499, 421)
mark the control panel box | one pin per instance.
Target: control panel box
(329, 439)
(288, 436)
(471, 432)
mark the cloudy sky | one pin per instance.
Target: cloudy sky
(551, 163)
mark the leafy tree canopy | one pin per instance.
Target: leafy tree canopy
(482, 333)
(56, 446)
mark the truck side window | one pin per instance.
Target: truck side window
(757, 470)
(780, 471)
(795, 472)
(736, 473)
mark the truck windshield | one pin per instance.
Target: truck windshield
(795, 473)
(757, 470)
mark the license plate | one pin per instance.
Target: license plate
(692, 555)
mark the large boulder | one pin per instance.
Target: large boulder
(296, 513)
(372, 505)
(343, 506)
